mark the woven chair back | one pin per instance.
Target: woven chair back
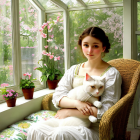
(126, 67)
(130, 72)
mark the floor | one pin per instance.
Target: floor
(135, 133)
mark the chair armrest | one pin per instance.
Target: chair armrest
(46, 100)
(109, 115)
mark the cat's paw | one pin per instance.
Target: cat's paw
(98, 104)
(92, 119)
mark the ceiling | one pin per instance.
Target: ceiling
(67, 4)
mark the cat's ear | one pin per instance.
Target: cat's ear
(103, 78)
(88, 77)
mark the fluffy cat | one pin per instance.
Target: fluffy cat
(92, 88)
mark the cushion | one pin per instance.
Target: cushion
(22, 125)
(12, 134)
(41, 115)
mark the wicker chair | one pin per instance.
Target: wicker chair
(117, 115)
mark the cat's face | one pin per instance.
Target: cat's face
(94, 85)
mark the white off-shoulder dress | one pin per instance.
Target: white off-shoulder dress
(111, 95)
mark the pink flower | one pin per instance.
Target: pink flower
(43, 35)
(29, 75)
(75, 47)
(43, 52)
(46, 46)
(63, 50)
(35, 68)
(55, 58)
(33, 54)
(24, 74)
(48, 27)
(1, 136)
(44, 64)
(23, 9)
(40, 29)
(58, 58)
(56, 47)
(52, 36)
(4, 85)
(51, 56)
(49, 40)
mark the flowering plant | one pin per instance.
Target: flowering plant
(49, 70)
(27, 83)
(8, 94)
(52, 55)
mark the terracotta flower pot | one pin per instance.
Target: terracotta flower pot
(28, 93)
(11, 102)
(52, 84)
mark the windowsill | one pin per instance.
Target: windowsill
(22, 100)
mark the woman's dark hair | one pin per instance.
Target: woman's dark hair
(98, 33)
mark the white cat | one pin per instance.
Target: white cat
(92, 88)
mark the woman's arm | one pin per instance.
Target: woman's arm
(63, 113)
(83, 107)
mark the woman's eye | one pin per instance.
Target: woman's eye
(92, 86)
(101, 87)
(85, 45)
(96, 46)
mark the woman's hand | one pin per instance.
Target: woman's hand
(62, 113)
(84, 107)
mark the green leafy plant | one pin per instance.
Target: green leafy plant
(49, 72)
(27, 82)
(8, 94)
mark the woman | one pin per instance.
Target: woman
(94, 43)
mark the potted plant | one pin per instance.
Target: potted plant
(27, 86)
(49, 71)
(10, 96)
(52, 57)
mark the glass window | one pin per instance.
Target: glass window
(47, 4)
(55, 39)
(138, 47)
(29, 38)
(109, 19)
(114, 1)
(71, 3)
(93, 1)
(6, 61)
(138, 16)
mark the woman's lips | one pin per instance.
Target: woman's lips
(90, 54)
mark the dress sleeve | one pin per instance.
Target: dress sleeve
(112, 91)
(64, 86)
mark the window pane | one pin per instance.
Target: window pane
(109, 19)
(47, 4)
(29, 38)
(71, 3)
(138, 46)
(55, 39)
(114, 1)
(138, 16)
(6, 63)
(93, 1)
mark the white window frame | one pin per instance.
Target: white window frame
(16, 51)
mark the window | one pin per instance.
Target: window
(55, 38)
(6, 61)
(109, 19)
(29, 38)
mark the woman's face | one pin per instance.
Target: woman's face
(92, 47)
